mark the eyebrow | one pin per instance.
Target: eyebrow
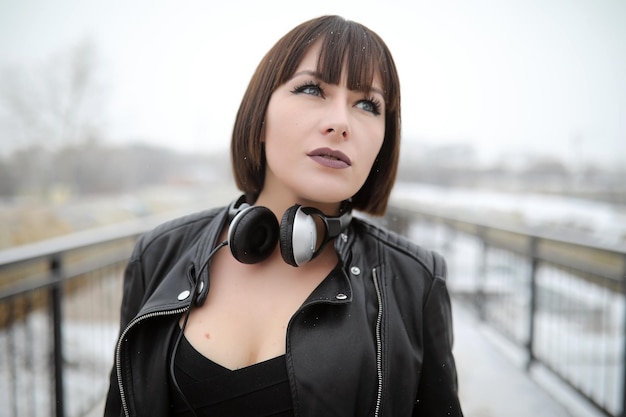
(318, 76)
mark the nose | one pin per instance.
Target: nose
(343, 133)
(336, 120)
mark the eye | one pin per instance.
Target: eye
(371, 105)
(310, 88)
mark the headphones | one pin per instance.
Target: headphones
(254, 232)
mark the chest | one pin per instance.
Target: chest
(245, 317)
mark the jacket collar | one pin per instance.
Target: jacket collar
(177, 287)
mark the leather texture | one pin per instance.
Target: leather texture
(373, 339)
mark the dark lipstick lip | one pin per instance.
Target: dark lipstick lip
(330, 152)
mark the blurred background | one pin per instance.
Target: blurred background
(102, 98)
(116, 115)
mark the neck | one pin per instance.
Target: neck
(278, 204)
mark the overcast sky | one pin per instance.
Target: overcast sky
(506, 76)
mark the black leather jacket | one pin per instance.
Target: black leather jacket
(373, 339)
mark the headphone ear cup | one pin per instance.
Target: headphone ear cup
(253, 234)
(298, 236)
(286, 236)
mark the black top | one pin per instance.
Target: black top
(259, 390)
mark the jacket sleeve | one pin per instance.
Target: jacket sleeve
(437, 391)
(133, 293)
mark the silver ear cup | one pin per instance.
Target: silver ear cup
(298, 236)
(303, 237)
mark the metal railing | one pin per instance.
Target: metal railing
(562, 301)
(59, 316)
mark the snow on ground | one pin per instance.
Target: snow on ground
(603, 222)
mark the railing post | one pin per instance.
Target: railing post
(12, 365)
(623, 414)
(56, 292)
(532, 304)
(481, 299)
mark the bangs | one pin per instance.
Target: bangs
(347, 46)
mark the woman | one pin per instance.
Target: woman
(320, 314)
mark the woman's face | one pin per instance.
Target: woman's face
(320, 139)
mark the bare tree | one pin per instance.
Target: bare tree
(59, 103)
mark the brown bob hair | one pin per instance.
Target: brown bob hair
(344, 44)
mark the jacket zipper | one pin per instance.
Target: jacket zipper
(379, 343)
(118, 364)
